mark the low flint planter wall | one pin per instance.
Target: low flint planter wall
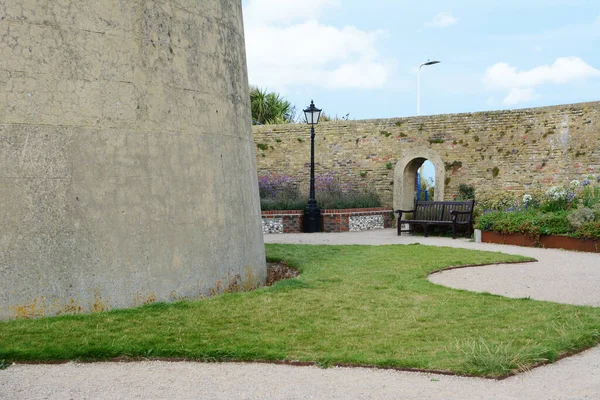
(346, 220)
(357, 219)
(290, 221)
(547, 241)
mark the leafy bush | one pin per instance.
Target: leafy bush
(589, 230)
(530, 222)
(591, 194)
(465, 192)
(573, 210)
(275, 185)
(580, 216)
(493, 200)
(356, 199)
(282, 203)
(558, 198)
(280, 192)
(331, 193)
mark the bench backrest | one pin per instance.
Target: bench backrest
(440, 210)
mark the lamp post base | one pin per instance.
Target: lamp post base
(312, 220)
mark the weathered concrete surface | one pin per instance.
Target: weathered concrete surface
(514, 150)
(127, 169)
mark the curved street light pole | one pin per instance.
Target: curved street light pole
(419, 84)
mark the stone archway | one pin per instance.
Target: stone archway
(406, 172)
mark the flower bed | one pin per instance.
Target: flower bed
(281, 192)
(545, 241)
(344, 206)
(572, 211)
(345, 220)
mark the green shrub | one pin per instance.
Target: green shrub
(280, 192)
(590, 195)
(532, 223)
(572, 210)
(580, 216)
(357, 199)
(493, 201)
(465, 192)
(589, 230)
(282, 203)
(557, 198)
(596, 210)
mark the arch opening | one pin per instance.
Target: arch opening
(418, 172)
(425, 181)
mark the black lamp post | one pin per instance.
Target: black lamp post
(312, 214)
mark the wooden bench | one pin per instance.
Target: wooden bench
(445, 213)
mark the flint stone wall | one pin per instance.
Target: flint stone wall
(127, 166)
(516, 150)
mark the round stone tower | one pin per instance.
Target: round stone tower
(127, 170)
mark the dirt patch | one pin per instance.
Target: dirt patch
(279, 271)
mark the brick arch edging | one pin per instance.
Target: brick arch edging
(405, 172)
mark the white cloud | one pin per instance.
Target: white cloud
(287, 47)
(521, 84)
(365, 75)
(516, 96)
(442, 20)
(564, 70)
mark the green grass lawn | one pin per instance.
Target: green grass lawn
(369, 305)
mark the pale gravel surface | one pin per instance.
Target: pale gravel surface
(560, 276)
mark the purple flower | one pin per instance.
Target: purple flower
(273, 185)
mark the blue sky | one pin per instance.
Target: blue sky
(361, 57)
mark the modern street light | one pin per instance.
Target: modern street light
(419, 84)
(312, 214)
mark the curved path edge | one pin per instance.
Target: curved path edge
(575, 377)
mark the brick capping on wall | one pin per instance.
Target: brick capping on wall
(282, 212)
(357, 211)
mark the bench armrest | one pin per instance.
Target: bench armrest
(400, 212)
(454, 215)
(460, 212)
(404, 211)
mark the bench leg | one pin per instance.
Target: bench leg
(425, 229)
(453, 231)
(399, 229)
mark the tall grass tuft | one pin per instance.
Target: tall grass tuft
(499, 359)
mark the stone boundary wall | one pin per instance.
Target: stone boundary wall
(515, 150)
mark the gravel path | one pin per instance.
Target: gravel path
(559, 276)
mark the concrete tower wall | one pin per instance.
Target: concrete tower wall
(127, 169)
